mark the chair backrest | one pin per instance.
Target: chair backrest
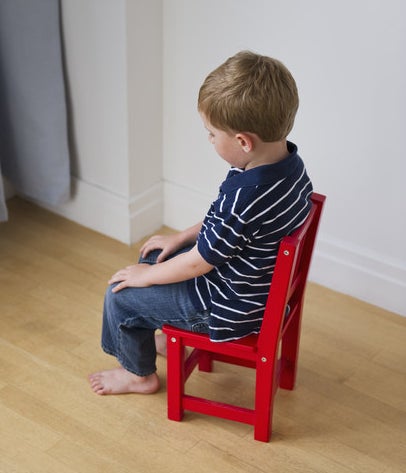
(285, 299)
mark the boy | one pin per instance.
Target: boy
(214, 277)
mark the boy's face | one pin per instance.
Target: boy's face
(227, 145)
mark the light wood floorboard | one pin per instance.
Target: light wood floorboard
(346, 415)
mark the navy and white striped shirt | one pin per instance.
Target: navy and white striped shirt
(240, 236)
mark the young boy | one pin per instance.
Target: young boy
(214, 277)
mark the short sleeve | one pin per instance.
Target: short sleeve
(225, 231)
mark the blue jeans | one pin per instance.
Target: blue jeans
(131, 316)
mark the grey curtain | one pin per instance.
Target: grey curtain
(34, 153)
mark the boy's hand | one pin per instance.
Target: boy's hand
(131, 276)
(169, 244)
(181, 267)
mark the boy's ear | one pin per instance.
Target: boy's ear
(246, 142)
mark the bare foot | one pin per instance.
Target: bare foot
(160, 343)
(121, 381)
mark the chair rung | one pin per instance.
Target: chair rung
(233, 360)
(218, 409)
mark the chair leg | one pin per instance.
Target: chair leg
(289, 355)
(175, 378)
(265, 390)
(205, 361)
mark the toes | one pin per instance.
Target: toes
(96, 383)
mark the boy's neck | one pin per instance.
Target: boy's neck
(267, 153)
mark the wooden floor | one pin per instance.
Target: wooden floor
(346, 415)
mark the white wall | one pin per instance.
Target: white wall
(349, 62)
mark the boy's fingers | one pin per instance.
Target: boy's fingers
(118, 287)
(161, 257)
(147, 248)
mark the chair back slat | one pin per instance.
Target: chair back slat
(289, 278)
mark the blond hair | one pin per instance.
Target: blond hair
(250, 93)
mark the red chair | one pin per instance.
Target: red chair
(273, 352)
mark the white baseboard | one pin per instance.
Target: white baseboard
(126, 220)
(146, 212)
(361, 274)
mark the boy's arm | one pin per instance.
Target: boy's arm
(180, 268)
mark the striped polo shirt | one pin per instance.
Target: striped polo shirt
(240, 237)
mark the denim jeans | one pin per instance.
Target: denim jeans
(131, 316)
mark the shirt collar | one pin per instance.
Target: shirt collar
(263, 175)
